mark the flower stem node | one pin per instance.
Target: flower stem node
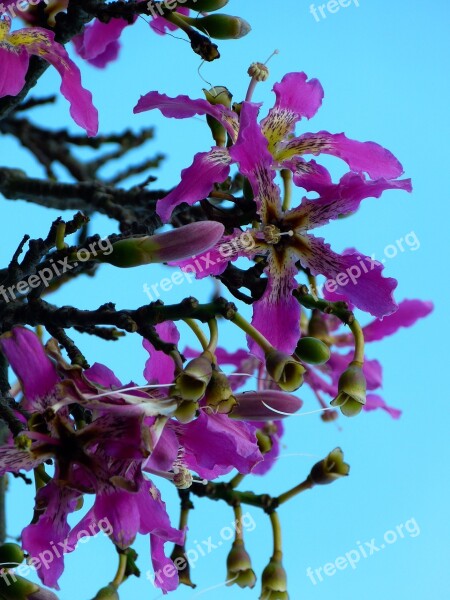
(258, 71)
(351, 390)
(330, 468)
(204, 5)
(108, 592)
(313, 351)
(239, 566)
(192, 381)
(274, 580)
(219, 394)
(284, 370)
(221, 27)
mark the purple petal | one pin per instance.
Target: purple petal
(308, 174)
(182, 107)
(408, 312)
(165, 453)
(41, 42)
(339, 200)
(295, 98)
(366, 157)
(98, 44)
(13, 68)
(12, 460)
(103, 376)
(160, 24)
(197, 181)
(373, 401)
(29, 362)
(256, 163)
(215, 444)
(277, 314)
(160, 367)
(270, 457)
(355, 276)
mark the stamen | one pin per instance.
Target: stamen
(273, 54)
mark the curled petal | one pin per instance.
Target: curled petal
(308, 174)
(98, 44)
(373, 401)
(408, 312)
(367, 157)
(197, 180)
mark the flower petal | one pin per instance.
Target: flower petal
(308, 174)
(366, 157)
(41, 42)
(27, 357)
(160, 367)
(13, 68)
(197, 181)
(160, 24)
(373, 401)
(408, 312)
(277, 314)
(354, 276)
(295, 98)
(98, 44)
(183, 107)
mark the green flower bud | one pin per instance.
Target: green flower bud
(11, 555)
(274, 580)
(351, 390)
(182, 565)
(239, 566)
(109, 592)
(264, 441)
(186, 411)
(191, 382)
(284, 370)
(330, 468)
(312, 351)
(219, 95)
(15, 587)
(219, 394)
(317, 326)
(221, 27)
(204, 5)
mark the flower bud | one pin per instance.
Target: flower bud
(219, 394)
(312, 351)
(330, 468)
(221, 27)
(109, 592)
(15, 587)
(274, 580)
(239, 566)
(181, 563)
(351, 390)
(265, 405)
(11, 555)
(258, 71)
(264, 441)
(219, 95)
(186, 411)
(317, 326)
(284, 370)
(191, 382)
(176, 244)
(205, 5)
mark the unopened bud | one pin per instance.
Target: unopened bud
(351, 390)
(284, 370)
(11, 555)
(317, 326)
(191, 382)
(258, 71)
(221, 27)
(265, 405)
(181, 563)
(330, 468)
(239, 566)
(108, 592)
(15, 587)
(219, 95)
(312, 351)
(176, 244)
(274, 580)
(264, 441)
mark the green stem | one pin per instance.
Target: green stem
(286, 175)
(120, 574)
(237, 509)
(298, 489)
(358, 356)
(198, 332)
(277, 537)
(213, 335)
(237, 479)
(252, 332)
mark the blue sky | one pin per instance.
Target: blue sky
(382, 65)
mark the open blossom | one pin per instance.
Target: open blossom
(104, 457)
(17, 47)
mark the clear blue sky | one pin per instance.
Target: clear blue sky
(382, 65)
